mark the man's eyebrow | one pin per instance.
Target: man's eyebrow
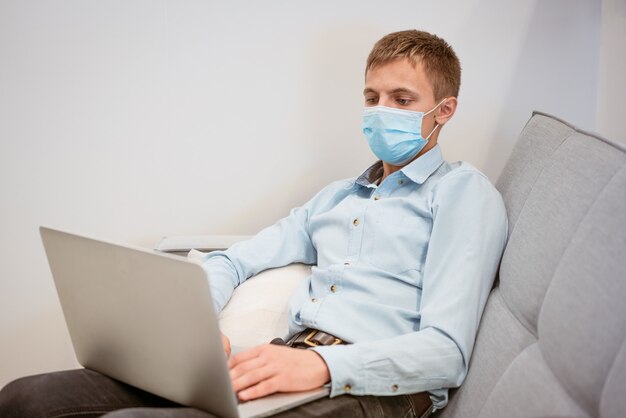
(403, 90)
(369, 90)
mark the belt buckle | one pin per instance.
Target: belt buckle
(312, 343)
(429, 412)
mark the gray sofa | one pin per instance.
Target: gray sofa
(552, 338)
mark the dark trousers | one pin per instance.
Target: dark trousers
(85, 393)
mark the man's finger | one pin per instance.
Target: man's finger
(226, 344)
(246, 366)
(244, 356)
(252, 377)
(264, 388)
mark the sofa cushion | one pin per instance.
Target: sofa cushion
(612, 403)
(582, 323)
(555, 323)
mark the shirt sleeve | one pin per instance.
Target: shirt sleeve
(287, 241)
(468, 235)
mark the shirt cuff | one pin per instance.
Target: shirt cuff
(345, 368)
(222, 279)
(353, 371)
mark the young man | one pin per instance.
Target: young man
(405, 256)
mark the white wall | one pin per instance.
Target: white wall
(133, 119)
(610, 119)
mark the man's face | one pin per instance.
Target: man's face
(401, 85)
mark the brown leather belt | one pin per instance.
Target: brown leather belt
(313, 338)
(421, 404)
(310, 338)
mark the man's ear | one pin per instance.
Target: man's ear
(446, 110)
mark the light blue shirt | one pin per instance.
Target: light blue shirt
(401, 269)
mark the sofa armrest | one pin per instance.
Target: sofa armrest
(183, 243)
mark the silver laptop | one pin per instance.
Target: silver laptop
(147, 319)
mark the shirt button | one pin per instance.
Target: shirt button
(356, 222)
(400, 182)
(346, 264)
(314, 300)
(333, 288)
(347, 388)
(394, 388)
(376, 197)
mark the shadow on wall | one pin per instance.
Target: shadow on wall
(334, 70)
(556, 72)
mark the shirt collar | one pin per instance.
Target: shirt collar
(421, 168)
(371, 175)
(417, 171)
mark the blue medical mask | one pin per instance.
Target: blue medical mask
(395, 135)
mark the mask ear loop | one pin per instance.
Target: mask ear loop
(437, 125)
(432, 132)
(433, 109)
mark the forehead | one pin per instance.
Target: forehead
(398, 74)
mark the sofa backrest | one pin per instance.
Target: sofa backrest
(552, 338)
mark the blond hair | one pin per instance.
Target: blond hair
(441, 64)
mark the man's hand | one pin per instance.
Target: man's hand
(226, 344)
(268, 368)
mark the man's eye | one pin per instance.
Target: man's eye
(403, 102)
(371, 100)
